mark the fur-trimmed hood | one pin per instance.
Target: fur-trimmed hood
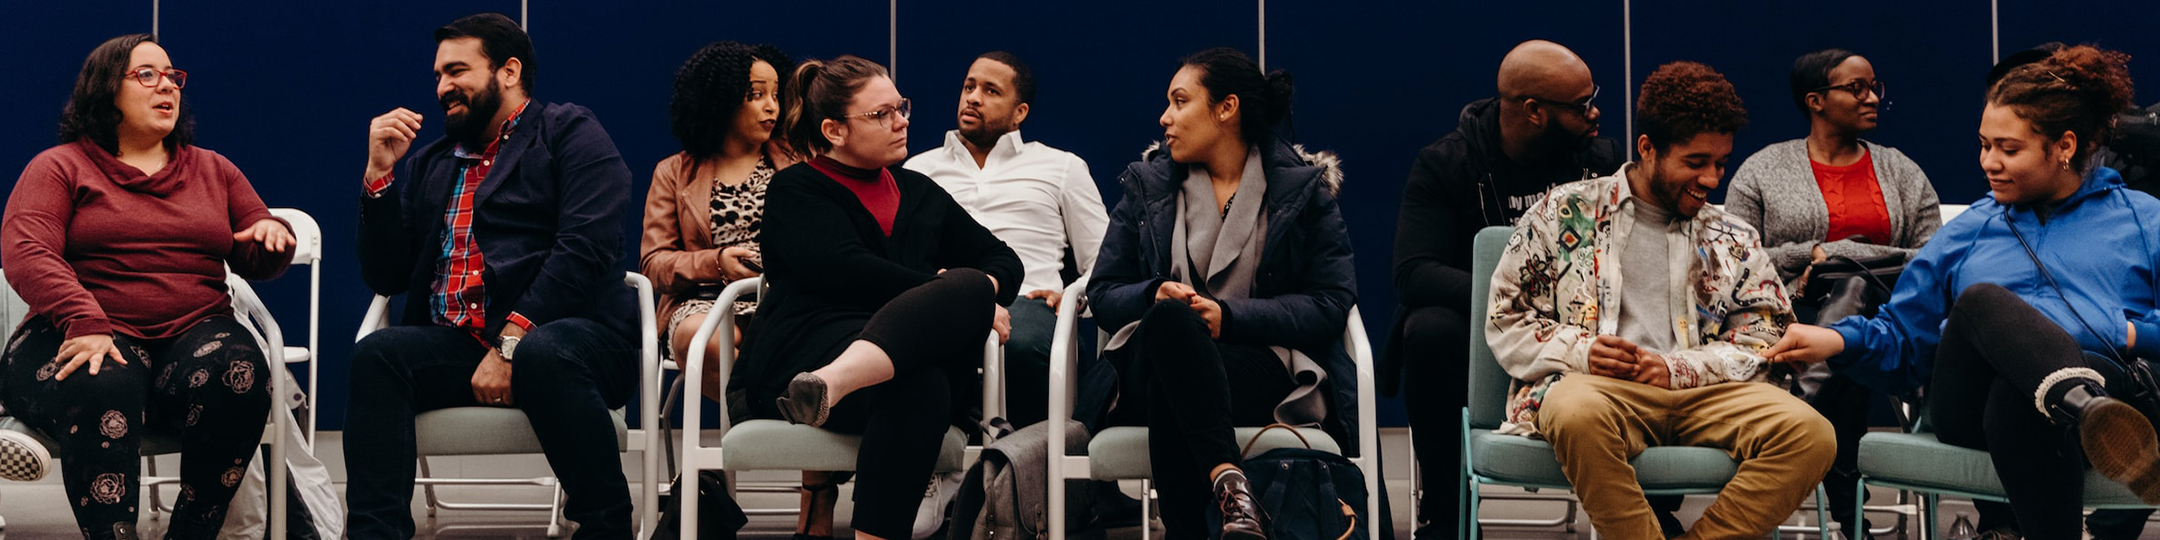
(1329, 164)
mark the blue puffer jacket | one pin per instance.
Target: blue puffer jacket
(1307, 282)
(2100, 244)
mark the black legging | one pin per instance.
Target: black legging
(1191, 392)
(1995, 351)
(932, 332)
(210, 385)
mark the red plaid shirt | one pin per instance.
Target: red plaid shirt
(460, 299)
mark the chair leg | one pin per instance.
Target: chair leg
(1572, 506)
(427, 490)
(555, 518)
(1927, 524)
(1470, 519)
(1147, 505)
(157, 500)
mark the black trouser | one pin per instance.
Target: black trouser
(1435, 353)
(1844, 402)
(211, 385)
(1191, 392)
(934, 334)
(567, 375)
(1995, 351)
(1027, 370)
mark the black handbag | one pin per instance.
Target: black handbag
(1842, 286)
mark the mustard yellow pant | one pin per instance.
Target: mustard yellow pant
(1597, 423)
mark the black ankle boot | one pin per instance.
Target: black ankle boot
(2118, 439)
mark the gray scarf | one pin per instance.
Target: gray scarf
(1227, 243)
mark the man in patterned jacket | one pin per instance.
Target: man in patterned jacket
(1631, 314)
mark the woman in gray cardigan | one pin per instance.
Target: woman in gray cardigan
(1884, 205)
(1781, 189)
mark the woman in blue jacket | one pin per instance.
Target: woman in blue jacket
(1227, 274)
(2013, 316)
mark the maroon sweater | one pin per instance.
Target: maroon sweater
(97, 247)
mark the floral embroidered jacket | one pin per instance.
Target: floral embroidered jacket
(1557, 288)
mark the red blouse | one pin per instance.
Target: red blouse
(877, 190)
(1855, 201)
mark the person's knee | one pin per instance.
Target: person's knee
(970, 281)
(384, 349)
(1578, 410)
(1982, 299)
(1801, 433)
(1437, 330)
(1171, 312)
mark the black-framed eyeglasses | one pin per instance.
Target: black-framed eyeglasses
(149, 77)
(1581, 106)
(884, 115)
(1858, 88)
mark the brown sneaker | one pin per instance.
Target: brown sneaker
(1242, 517)
(2120, 443)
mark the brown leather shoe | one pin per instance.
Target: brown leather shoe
(1242, 517)
(2119, 442)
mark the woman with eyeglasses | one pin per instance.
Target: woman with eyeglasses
(2025, 330)
(1227, 275)
(119, 240)
(1833, 194)
(882, 289)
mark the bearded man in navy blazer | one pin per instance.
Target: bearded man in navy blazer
(505, 238)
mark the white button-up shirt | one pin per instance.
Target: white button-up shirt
(1037, 199)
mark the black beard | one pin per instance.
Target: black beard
(470, 128)
(1556, 141)
(984, 137)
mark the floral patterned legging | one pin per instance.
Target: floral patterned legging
(209, 385)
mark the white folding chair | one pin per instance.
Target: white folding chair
(249, 309)
(1121, 453)
(467, 431)
(307, 250)
(776, 445)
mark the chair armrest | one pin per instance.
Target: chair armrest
(693, 368)
(377, 317)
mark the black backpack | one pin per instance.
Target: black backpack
(1309, 494)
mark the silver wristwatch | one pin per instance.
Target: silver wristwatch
(509, 347)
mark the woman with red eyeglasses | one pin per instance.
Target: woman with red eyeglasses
(119, 240)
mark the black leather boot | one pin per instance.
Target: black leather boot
(1242, 517)
(2118, 440)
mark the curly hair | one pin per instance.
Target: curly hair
(709, 92)
(1684, 99)
(90, 112)
(2076, 89)
(1811, 71)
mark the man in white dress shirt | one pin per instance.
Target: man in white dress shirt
(1039, 200)
(1042, 202)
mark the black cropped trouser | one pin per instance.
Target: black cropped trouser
(210, 385)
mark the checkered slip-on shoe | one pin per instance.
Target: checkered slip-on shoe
(22, 459)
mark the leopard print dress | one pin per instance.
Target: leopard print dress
(738, 213)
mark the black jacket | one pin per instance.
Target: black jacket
(1307, 281)
(830, 267)
(1460, 184)
(548, 218)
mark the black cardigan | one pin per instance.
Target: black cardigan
(830, 267)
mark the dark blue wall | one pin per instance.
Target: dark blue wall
(285, 89)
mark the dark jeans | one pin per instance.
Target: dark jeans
(1191, 392)
(934, 335)
(567, 375)
(211, 385)
(1995, 351)
(1027, 370)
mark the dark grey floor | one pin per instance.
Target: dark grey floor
(39, 510)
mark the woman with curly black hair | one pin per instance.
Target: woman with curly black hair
(704, 210)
